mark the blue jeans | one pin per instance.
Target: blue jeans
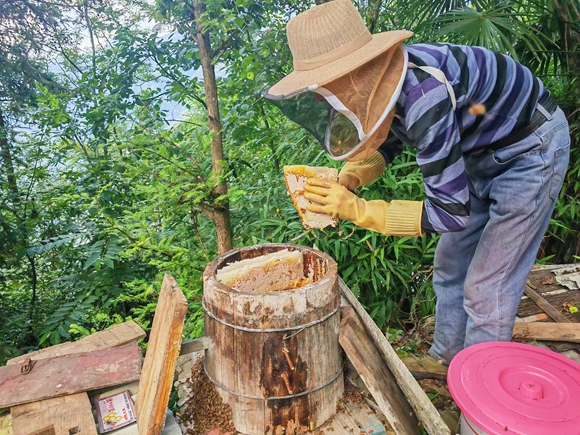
(480, 272)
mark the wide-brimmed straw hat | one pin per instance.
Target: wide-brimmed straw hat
(327, 42)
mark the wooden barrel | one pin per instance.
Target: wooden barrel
(275, 357)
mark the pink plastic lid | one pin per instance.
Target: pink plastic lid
(510, 388)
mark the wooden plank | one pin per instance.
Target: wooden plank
(65, 415)
(544, 331)
(365, 418)
(192, 346)
(562, 347)
(343, 425)
(48, 430)
(353, 420)
(366, 359)
(555, 298)
(545, 305)
(534, 318)
(118, 335)
(543, 283)
(426, 411)
(555, 314)
(69, 374)
(6, 424)
(161, 358)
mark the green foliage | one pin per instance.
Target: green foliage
(495, 27)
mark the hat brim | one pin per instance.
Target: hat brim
(299, 81)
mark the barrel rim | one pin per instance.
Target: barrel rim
(210, 271)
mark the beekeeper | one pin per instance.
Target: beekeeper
(492, 146)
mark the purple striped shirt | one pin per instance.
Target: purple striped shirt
(425, 119)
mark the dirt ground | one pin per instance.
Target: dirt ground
(412, 346)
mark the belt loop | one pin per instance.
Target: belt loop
(544, 112)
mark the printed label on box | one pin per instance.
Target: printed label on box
(115, 411)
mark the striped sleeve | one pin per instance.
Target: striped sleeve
(432, 128)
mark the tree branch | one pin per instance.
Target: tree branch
(90, 29)
(375, 16)
(197, 177)
(179, 82)
(193, 215)
(34, 279)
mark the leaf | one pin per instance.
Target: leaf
(54, 338)
(109, 262)
(349, 270)
(44, 337)
(496, 28)
(92, 259)
(62, 331)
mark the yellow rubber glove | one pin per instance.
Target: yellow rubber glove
(356, 174)
(395, 218)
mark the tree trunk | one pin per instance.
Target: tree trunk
(221, 214)
(34, 282)
(7, 162)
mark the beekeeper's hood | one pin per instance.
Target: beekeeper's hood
(345, 82)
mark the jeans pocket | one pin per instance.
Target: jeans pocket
(561, 160)
(535, 143)
(527, 146)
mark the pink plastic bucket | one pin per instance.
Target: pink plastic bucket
(505, 388)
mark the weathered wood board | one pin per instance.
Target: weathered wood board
(548, 308)
(6, 424)
(196, 345)
(528, 307)
(161, 358)
(366, 419)
(550, 294)
(118, 335)
(425, 410)
(544, 285)
(545, 331)
(355, 418)
(69, 374)
(64, 415)
(367, 360)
